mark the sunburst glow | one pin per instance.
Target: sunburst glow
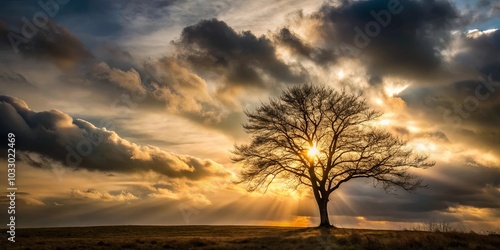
(313, 151)
(341, 74)
(393, 90)
(385, 122)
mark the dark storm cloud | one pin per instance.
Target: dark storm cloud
(212, 47)
(480, 51)
(78, 143)
(469, 109)
(52, 43)
(470, 185)
(453, 186)
(290, 40)
(391, 37)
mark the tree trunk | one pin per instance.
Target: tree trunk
(323, 213)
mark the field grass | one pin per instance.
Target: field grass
(240, 237)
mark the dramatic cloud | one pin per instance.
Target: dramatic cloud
(478, 50)
(182, 90)
(297, 46)
(391, 37)
(129, 80)
(78, 143)
(240, 59)
(53, 43)
(450, 187)
(188, 95)
(104, 196)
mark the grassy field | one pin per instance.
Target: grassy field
(240, 237)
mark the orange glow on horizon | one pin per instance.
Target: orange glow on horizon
(299, 221)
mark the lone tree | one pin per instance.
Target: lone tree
(321, 138)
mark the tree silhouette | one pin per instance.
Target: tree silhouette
(321, 138)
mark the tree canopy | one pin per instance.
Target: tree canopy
(321, 138)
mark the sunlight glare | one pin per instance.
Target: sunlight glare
(394, 90)
(426, 146)
(313, 151)
(412, 127)
(341, 74)
(385, 122)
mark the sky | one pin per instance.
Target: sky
(126, 112)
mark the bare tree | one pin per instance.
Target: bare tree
(321, 138)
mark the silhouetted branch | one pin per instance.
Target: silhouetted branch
(341, 126)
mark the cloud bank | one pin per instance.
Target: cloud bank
(78, 143)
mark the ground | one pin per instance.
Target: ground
(240, 237)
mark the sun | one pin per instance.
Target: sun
(313, 151)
